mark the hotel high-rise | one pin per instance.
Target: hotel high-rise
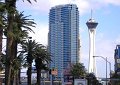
(117, 59)
(63, 37)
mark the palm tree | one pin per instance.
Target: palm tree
(10, 6)
(29, 51)
(41, 61)
(20, 22)
(10, 9)
(16, 64)
(2, 12)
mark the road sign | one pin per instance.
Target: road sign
(54, 72)
(118, 60)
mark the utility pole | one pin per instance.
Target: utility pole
(106, 70)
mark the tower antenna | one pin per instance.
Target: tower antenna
(91, 13)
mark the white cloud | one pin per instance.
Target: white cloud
(117, 41)
(42, 6)
(114, 2)
(105, 46)
(58, 2)
(83, 5)
(41, 33)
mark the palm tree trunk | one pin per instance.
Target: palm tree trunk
(8, 52)
(17, 78)
(19, 71)
(38, 68)
(9, 56)
(38, 77)
(29, 74)
(7, 74)
(1, 34)
(14, 55)
(14, 80)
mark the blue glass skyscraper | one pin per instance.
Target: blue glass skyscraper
(63, 37)
(117, 58)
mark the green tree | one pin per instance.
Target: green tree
(78, 70)
(115, 79)
(2, 12)
(92, 80)
(21, 26)
(29, 49)
(41, 61)
(10, 6)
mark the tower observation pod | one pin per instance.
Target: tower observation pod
(91, 24)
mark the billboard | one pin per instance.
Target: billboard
(118, 61)
(118, 66)
(54, 72)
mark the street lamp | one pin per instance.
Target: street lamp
(29, 40)
(29, 37)
(106, 66)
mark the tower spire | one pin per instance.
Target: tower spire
(91, 13)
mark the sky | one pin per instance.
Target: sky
(105, 12)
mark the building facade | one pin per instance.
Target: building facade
(63, 36)
(117, 58)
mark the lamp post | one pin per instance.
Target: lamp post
(106, 66)
(106, 69)
(109, 68)
(29, 38)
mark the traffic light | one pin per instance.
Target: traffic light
(50, 71)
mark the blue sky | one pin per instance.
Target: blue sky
(105, 12)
